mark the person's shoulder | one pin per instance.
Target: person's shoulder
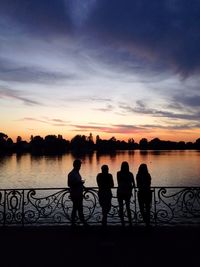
(71, 173)
(99, 175)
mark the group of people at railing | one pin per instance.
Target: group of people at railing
(126, 183)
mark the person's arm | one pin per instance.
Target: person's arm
(149, 180)
(118, 178)
(138, 181)
(111, 181)
(69, 181)
(132, 181)
(97, 180)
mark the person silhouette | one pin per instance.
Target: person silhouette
(126, 183)
(143, 179)
(105, 183)
(75, 183)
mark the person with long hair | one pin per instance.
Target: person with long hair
(143, 179)
(105, 183)
(126, 183)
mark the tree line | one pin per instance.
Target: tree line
(53, 144)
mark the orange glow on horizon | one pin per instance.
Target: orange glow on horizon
(171, 135)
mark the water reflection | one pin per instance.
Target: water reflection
(168, 168)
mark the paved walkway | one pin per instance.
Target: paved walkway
(63, 246)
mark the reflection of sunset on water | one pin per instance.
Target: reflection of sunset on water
(167, 168)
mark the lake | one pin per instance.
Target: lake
(167, 168)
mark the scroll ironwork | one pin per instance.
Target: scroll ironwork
(46, 206)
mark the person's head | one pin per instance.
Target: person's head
(104, 169)
(143, 168)
(77, 164)
(124, 166)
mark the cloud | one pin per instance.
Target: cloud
(189, 101)
(142, 108)
(106, 109)
(87, 99)
(7, 93)
(162, 32)
(79, 10)
(113, 129)
(158, 34)
(187, 126)
(32, 119)
(99, 99)
(12, 71)
(53, 122)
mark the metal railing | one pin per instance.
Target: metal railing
(53, 206)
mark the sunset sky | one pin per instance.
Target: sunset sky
(122, 68)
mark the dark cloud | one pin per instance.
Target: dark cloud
(158, 34)
(18, 95)
(142, 108)
(164, 31)
(133, 129)
(42, 17)
(187, 126)
(155, 34)
(190, 101)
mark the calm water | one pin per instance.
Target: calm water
(167, 168)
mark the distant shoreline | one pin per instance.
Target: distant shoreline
(52, 144)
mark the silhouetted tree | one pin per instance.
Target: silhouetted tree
(90, 142)
(9, 145)
(197, 143)
(181, 145)
(132, 144)
(143, 144)
(155, 144)
(21, 146)
(82, 143)
(3, 140)
(37, 144)
(78, 142)
(54, 144)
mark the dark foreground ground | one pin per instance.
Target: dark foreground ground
(63, 246)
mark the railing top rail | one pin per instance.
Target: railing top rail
(95, 187)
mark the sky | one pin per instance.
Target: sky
(122, 68)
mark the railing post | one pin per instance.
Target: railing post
(4, 209)
(155, 211)
(23, 208)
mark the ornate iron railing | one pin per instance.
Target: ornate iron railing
(170, 205)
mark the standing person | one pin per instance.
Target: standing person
(143, 179)
(75, 184)
(126, 183)
(105, 183)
